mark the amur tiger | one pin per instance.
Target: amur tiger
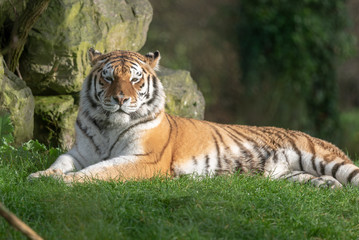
(123, 132)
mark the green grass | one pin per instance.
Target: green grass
(225, 207)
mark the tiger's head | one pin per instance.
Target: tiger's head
(124, 82)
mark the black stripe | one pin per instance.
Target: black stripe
(122, 59)
(238, 142)
(336, 167)
(95, 88)
(148, 86)
(297, 151)
(113, 60)
(84, 131)
(294, 175)
(77, 160)
(351, 175)
(238, 166)
(195, 162)
(166, 144)
(192, 122)
(88, 91)
(141, 154)
(219, 164)
(312, 149)
(259, 133)
(286, 157)
(92, 120)
(155, 92)
(148, 119)
(207, 164)
(176, 134)
(247, 155)
(256, 148)
(255, 144)
(322, 168)
(275, 157)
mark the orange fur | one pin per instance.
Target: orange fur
(118, 139)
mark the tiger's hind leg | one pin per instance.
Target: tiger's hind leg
(304, 177)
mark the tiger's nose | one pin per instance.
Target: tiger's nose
(120, 100)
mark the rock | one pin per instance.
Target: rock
(17, 99)
(55, 57)
(182, 95)
(55, 118)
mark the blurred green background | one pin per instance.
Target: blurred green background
(291, 64)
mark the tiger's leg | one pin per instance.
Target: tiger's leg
(64, 163)
(303, 177)
(119, 169)
(280, 166)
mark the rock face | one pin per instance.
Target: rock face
(55, 118)
(55, 56)
(16, 98)
(182, 95)
(54, 64)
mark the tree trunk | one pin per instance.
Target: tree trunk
(21, 29)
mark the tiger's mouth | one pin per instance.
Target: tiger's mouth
(110, 107)
(117, 108)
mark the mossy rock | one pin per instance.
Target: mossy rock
(55, 118)
(54, 60)
(182, 95)
(17, 99)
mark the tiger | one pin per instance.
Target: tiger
(123, 133)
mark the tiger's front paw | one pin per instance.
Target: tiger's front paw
(74, 177)
(55, 173)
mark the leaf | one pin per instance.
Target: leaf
(6, 128)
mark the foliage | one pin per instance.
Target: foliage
(6, 129)
(225, 207)
(29, 156)
(296, 45)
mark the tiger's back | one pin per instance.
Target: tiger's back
(201, 147)
(122, 132)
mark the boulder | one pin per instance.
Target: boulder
(182, 95)
(55, 57)
(55, 118)
(17, 99)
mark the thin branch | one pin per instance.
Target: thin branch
(13, 6)
(18, 224)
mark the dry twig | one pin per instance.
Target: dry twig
(18, 224)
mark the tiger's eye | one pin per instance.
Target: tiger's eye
(135, 80)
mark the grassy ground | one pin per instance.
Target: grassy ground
(226, 207)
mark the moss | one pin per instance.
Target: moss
(53, 106)
(16, 98)
(55, 117)
(2, 72)
(55, 58)
(72, 13)
(183, 97)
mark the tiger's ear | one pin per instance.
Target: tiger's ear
(93, 56)
(153, 59)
